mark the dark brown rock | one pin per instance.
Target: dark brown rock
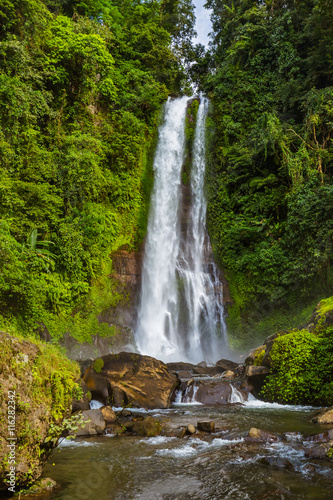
(260, 435)
(95, 423)
(130, 378)
(83, 403)
(256, 375)
(108, 414)
(180, 367)
(148, 427)
(125, 413)
(319, 451)
(217, 391)
(209, 370)
(208, 426)
(227, 364)
(324, 437)
(252, 355)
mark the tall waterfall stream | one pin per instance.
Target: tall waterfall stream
(181, 318)
(181, 310)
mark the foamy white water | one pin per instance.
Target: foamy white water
(156, 333)
(181, 309)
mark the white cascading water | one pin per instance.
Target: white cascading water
(181, 309)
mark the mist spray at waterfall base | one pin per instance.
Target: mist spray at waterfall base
(181, 312)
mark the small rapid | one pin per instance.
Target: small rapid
(221, 465)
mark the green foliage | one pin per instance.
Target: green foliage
(259, 357)
(302, 368)
(82, 84)
(190, 123)
(270, 163)
(98, 365)
(45, 383)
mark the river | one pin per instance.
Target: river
(222, 465)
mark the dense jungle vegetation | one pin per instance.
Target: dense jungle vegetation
(82, 84)
(81, 88)
(269, 75)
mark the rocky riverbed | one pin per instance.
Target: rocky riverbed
(252, 450)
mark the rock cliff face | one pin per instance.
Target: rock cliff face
(37, 383)
(127, 272)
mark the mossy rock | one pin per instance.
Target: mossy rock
(98, 365)
(149, 427)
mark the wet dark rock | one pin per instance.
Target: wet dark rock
(316, 451)
(95, 423)
(125, 413)
(130, 378)
(202, 364)
(185, 375)
(43, 332)
(108, 414)
(115, 429)
(324, 437)
(149, 427)
(180, 366)
(83, 403)
(260, 435)
(226, 364)
(239, 371)
(256, 375)
(293, 436)
(208, 370)
(84, 365)
(128, 425)
(277, 462)
(208, 426)
(217, 391)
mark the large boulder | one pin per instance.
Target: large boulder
(131, 379)
(219, 391)
(180, 366)
(226, 364)
(95, 423)
(261, 436)
(256, 376)
(149, 427)
(211, 371)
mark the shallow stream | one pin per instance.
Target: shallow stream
(206, 466)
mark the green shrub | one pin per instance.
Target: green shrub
(98, 365)
(302, 368)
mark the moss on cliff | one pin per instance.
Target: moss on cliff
(42, 382)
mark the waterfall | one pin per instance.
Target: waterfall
(181, 309)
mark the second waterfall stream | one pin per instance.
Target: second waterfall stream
(180, 313)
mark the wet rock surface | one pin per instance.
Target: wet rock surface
(324, 416)
(131, 379)
(95, 423)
